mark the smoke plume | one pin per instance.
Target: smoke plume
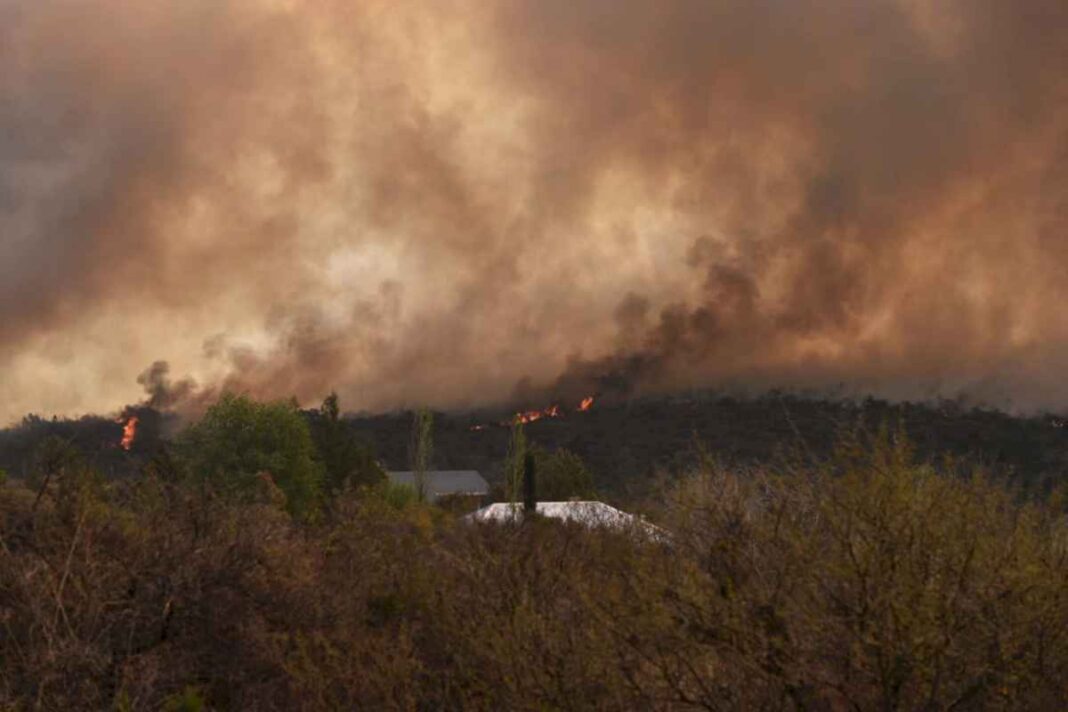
(441, 202)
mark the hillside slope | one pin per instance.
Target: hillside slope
(628, 442)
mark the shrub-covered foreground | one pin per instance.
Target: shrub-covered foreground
(874, 583)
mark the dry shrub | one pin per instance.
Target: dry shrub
(872, 582)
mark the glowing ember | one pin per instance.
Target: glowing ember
(129, 432)
(586, 404)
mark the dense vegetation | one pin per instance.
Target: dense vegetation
(239, 578)
(625, 445)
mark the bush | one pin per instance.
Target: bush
(397, 496)
(562, 475)
(870, 582)
(873, 582)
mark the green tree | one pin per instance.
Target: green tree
(239, 440)
(346, 462)
(422, 449)
(562, 475)
(513, 463)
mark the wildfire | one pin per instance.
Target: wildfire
(129, 432)
(530, 416)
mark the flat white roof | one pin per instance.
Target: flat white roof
(588, 513)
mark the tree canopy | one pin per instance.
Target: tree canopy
(347, 462)
(562, 475)
(239, 440)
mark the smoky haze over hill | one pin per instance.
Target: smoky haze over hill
(470, 201)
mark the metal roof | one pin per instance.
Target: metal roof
(440, 483)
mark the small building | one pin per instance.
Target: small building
(444, 483)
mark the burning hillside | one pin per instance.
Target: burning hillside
(524, 417)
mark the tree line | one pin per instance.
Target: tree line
(254, 566)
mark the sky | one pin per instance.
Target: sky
(463, 202)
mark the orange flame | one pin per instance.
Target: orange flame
(530, 416)
(129, 432)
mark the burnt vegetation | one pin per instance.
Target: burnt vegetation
(257, 560)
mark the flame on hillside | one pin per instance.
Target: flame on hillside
(129, 432)
(530, 416)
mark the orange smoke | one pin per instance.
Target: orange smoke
(129, 432)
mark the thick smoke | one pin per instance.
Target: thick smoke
(432, 202)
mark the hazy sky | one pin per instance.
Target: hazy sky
(454, 201)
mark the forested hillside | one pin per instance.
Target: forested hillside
(628, 443)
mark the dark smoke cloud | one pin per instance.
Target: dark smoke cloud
(164, 394)
(434, 202)
(873, 172)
